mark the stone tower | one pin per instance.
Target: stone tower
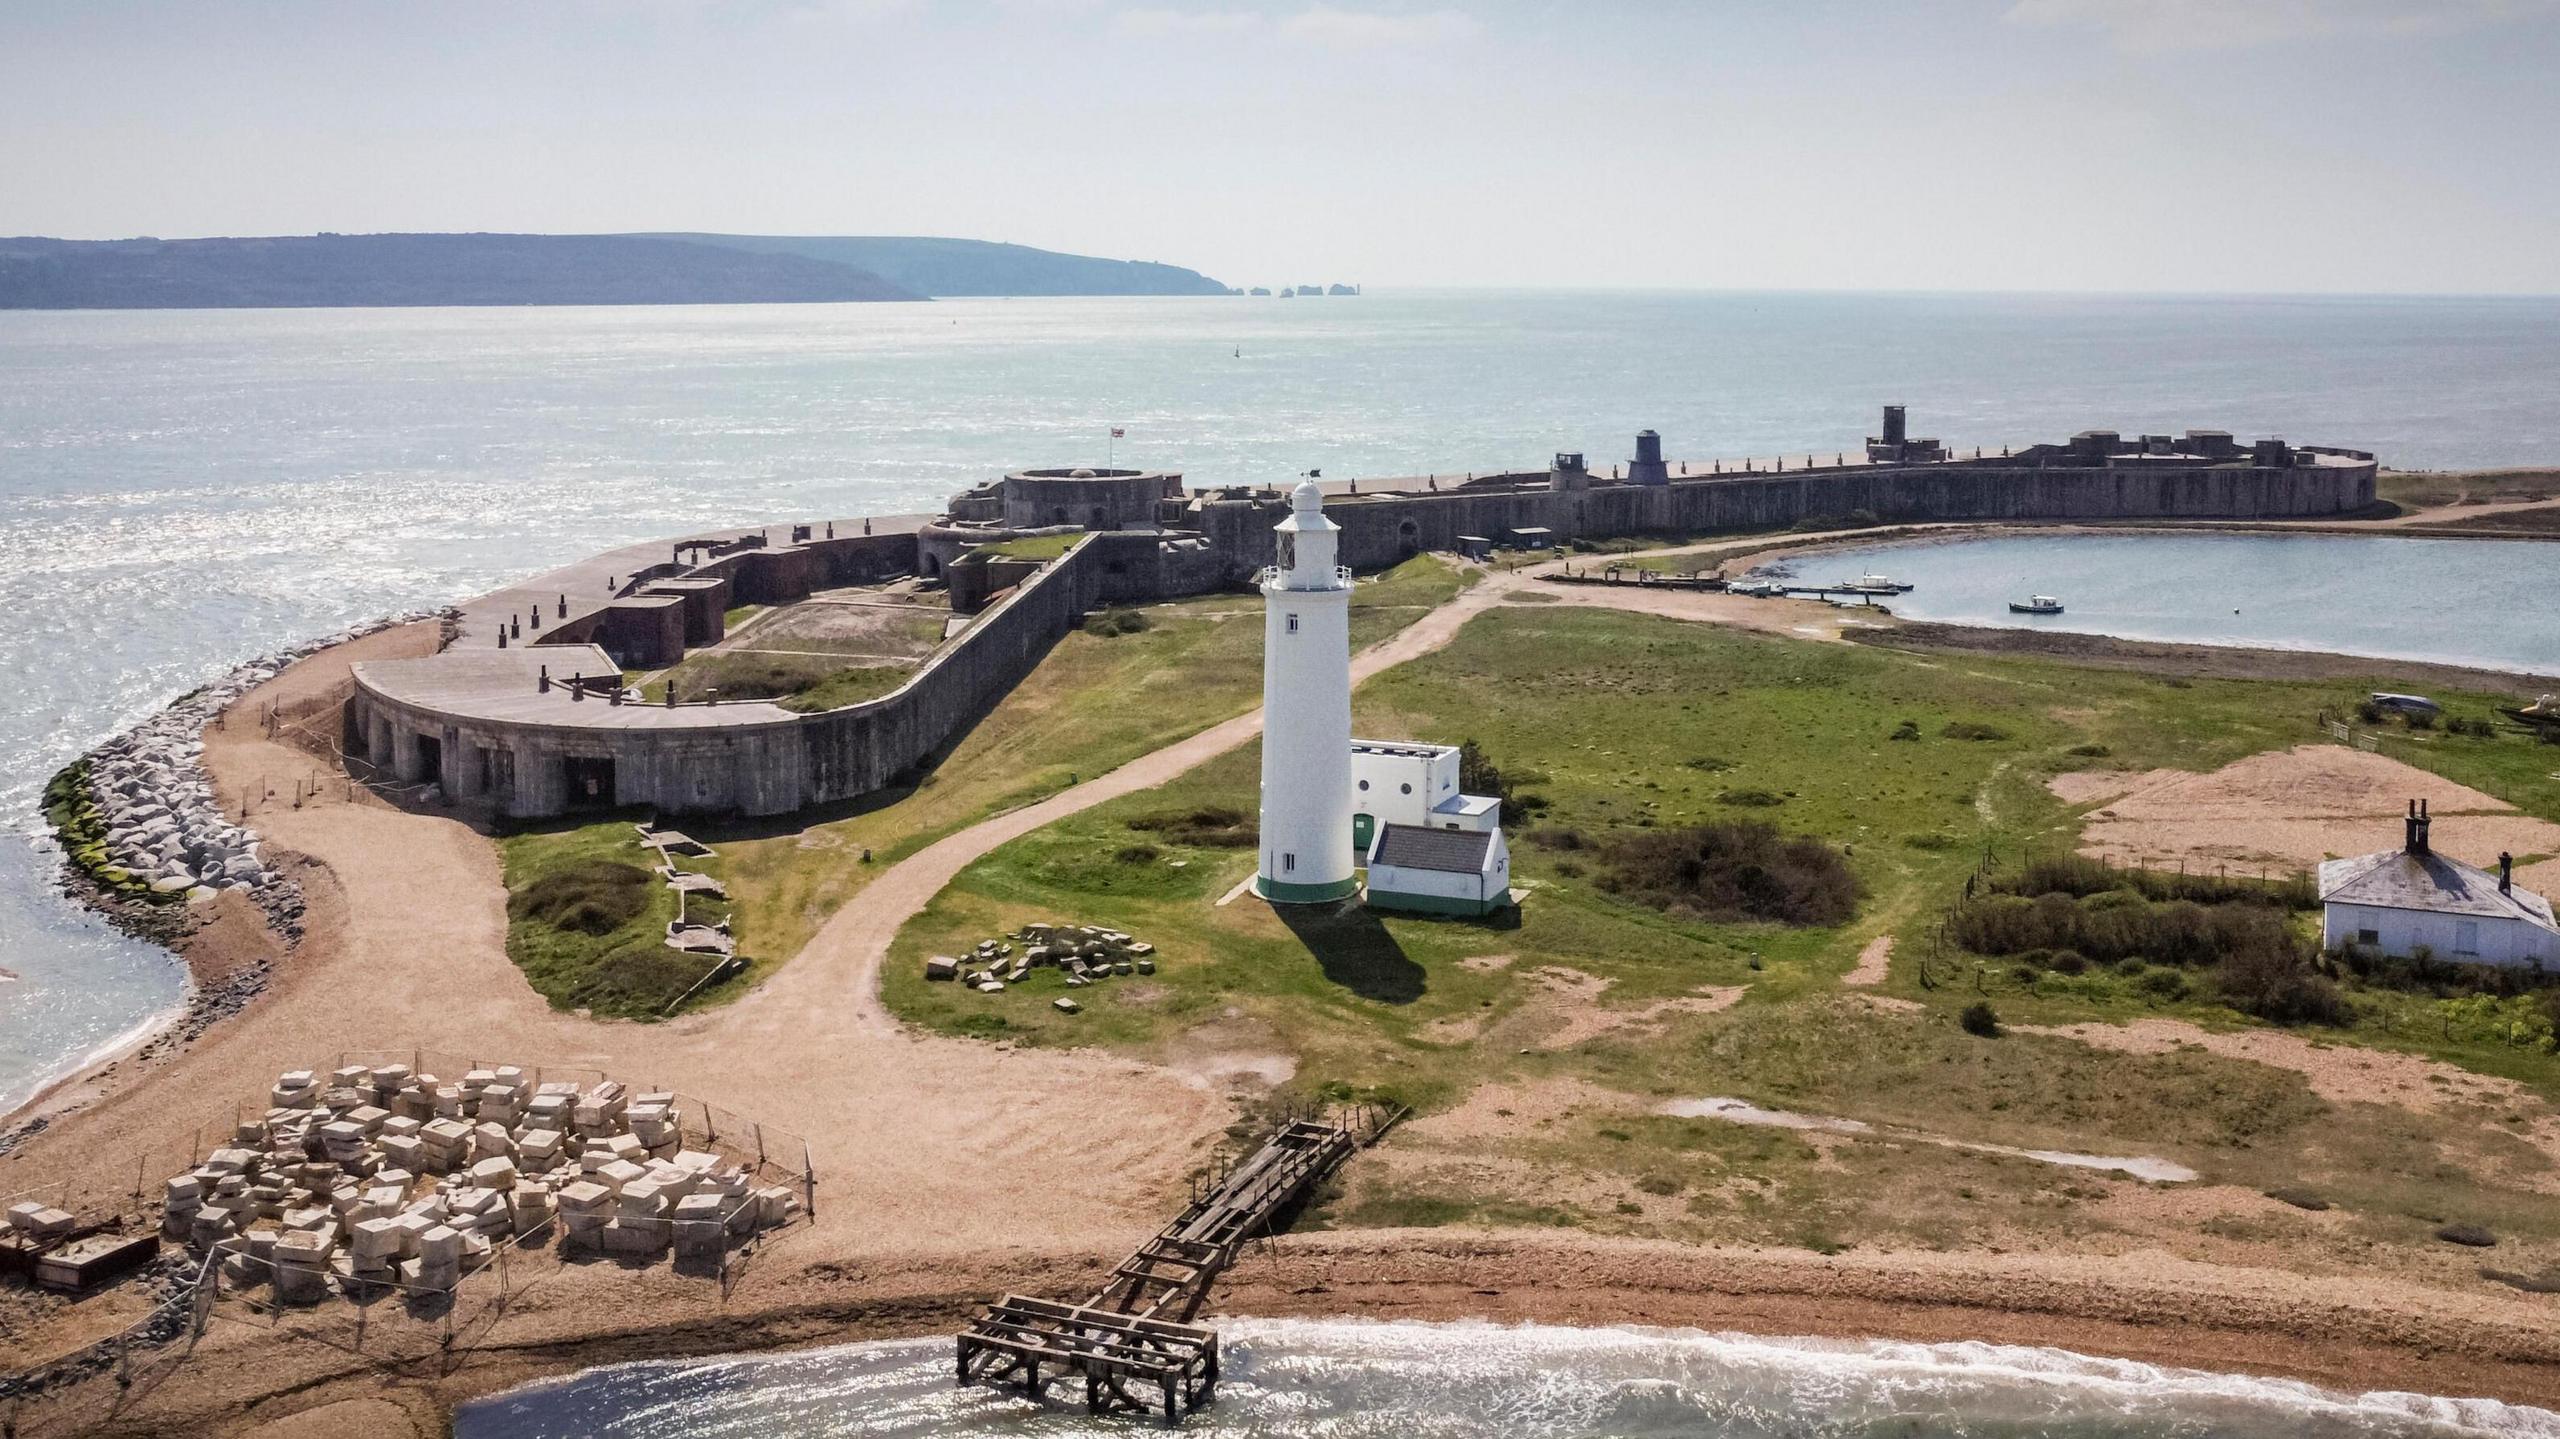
(1306, 713)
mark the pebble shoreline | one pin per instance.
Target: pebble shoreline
(162, 824)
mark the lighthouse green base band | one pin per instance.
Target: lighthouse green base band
(1279, 892)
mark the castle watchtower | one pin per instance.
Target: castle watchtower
(1306, 712)
(1568, 473)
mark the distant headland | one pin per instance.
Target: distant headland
(493, 269)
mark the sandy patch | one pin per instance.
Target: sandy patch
(2290, 809)
(1486, 963)
(1566, 1009)
(1509, 1111)
(1231, 1055)
(1874, 962)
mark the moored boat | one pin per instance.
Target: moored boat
(1872, 583)
(2036, 605)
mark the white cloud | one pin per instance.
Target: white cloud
(1366, 30)
(1329, 26)
(2155, 26)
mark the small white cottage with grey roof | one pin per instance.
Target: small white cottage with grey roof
(2401, 900)
(1439, 871)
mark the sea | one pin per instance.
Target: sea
(2468, 602)
(1360, 1379)
(184, 490)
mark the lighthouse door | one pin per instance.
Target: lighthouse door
(1363, 827)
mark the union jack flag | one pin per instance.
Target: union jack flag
(1118, 433)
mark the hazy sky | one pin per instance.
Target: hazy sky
(2397, 145)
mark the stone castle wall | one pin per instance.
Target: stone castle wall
(759, 765)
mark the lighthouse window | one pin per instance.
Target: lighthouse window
(1405, 788)
(1288, 864)
(1364, 786)
(1293, 624)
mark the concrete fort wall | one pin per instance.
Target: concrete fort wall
(1381, 531)
(755, 766)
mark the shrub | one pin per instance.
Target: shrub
(2277, 983)
(1207, 827)
(1710, 763)
(2369, 712)
(1137, 854)
(2421, 719)
(2298, 1198)
(1658, 1184)
(1979, 1018)
(2089, 751)
(1966, 729)
(2162, 983)
(2070, 961)
(1480, 775)
(1558, 836)
(2469, 1235)
(1908, 730)
(595, 896)
(1735, 870)
(1750, 799)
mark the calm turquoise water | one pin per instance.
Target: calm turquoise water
(183, 490)
(1342, 1379)
(2475, 602)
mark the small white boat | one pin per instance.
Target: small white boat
(1872, 583)
(2036, 605)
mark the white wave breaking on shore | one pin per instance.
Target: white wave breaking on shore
(1298, 1379)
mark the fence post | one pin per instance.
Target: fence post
(809, 1179)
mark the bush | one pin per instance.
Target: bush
(1558, 836)
(2162, 983)
(2089, 751)
(2469, 1235)
(2421, 719)
(1710, 763)
(1965, 729)
(1979, 1018)
(2277, 983)
(2369, 712)
(1751, 799)
(1735, 870)
(1480, 775)
(595, 896)
(1908, 730)
(2081, 876)
(1138, 854)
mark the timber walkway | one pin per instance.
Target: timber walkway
(1134, 1342)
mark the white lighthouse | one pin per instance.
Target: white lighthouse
(1306, 713)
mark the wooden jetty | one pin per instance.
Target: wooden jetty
(1843, 593)
(1133, 1341)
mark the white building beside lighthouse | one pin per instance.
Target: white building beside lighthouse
(1307, 853)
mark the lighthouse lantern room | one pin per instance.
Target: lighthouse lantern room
(1306, 706)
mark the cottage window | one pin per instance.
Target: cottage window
(2369, 936)
(2466, 936)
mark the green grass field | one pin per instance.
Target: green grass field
(1622, 723)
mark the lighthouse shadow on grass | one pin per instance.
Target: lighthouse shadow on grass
(1355, 950)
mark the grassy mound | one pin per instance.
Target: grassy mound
(588, 925)
(1207, 826)
(595, 896)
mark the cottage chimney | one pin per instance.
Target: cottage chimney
(2506, 873)
(2418, 840)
